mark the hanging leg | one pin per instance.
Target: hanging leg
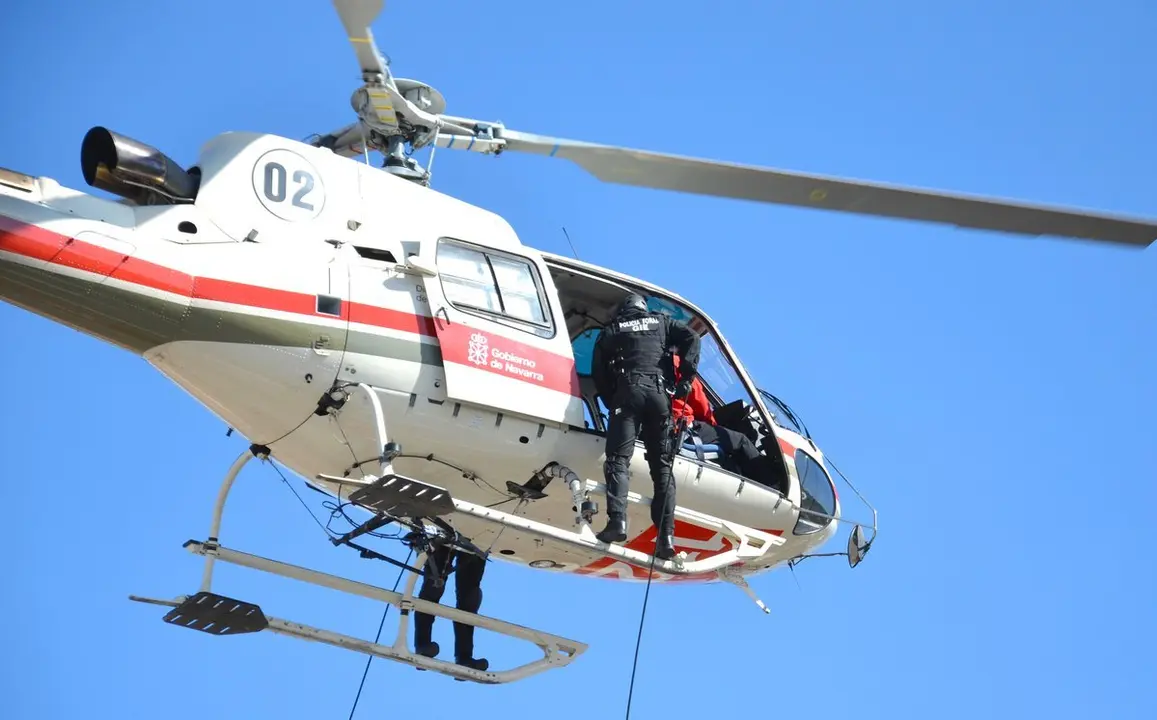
(434, 576)
(468, 586)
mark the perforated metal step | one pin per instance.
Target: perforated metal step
(217, 615)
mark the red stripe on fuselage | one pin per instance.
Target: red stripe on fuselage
(787, 448)
(90, 258)
(42, 244)
(28, 240)
(394, 319)
(234, 293)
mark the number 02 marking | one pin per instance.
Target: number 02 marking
(274, 185)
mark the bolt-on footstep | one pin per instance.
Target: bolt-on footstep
(217, 615)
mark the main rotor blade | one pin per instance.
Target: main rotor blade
(356, 16)
(706, 177)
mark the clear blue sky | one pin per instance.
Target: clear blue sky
(993, 395)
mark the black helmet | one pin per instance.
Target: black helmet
(634, 302)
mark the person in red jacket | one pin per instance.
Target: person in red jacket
(694, 413)
(695, 406)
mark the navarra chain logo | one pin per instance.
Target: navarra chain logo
(479, 350)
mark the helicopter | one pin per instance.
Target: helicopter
(408, 355)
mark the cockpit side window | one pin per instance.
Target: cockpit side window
(818, 495)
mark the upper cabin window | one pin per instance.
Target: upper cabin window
(495, 283)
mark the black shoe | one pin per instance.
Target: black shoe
(481, 664)
(427, 649)
(615, 531)
(665, 548)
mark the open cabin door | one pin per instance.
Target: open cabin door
(499, 323)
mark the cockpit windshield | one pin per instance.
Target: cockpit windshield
(720, 376)
(782, 415)
(715, 370)
(659, 305)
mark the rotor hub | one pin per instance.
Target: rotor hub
(422, 95)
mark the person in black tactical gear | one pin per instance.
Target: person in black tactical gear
(634, 374)
(467, 587)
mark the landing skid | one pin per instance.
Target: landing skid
(218, 614)
(394, 491)
(391, 490)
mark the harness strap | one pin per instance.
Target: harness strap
(698, 446)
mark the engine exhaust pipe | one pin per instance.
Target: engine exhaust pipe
(133, 170)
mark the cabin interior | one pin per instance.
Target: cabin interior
(588, 301)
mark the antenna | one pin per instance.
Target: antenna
(575, 252)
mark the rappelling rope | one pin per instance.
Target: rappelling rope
(639, 637)
(677, 429)
(397, 582)
(300, 499)
(377, 637)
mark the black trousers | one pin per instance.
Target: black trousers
(739, 451)
(641, 407)
(467, 587)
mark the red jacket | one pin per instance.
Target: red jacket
(695, 406)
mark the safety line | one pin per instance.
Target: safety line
(639, 637)
(377, 637)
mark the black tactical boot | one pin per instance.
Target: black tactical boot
(428, 649)
(665, 548)
(615, 531)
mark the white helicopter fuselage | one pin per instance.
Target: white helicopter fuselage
(296, 269)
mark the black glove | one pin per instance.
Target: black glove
(682, 389)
